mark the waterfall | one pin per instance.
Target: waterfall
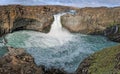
(58, 48)
(57, 31)
(56, 37)
(56, 26)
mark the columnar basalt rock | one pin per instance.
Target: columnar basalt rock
(91, 20)
(38, 18)
(15, 17)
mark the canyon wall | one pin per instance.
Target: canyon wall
(92, 20)
(38, 18)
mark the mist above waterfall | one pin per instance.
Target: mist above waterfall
(77, 3)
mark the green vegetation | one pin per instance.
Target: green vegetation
(106, 61)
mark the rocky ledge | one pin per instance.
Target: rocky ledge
(106, 61)
(91, 20)
(39, 18)
(16, 61)
(100, 21)
(113, 32)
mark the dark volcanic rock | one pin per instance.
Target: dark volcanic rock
(16, 61)
(84, 66)
(113, 32)
(117, 66)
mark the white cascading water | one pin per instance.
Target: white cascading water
(58, 48)
(61, 34)
(56, 37)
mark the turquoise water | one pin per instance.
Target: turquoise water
(3, 49)
(49, 52)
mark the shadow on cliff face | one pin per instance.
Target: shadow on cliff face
(25, 24)
(29, 24)
(38, 18)
(113, 32)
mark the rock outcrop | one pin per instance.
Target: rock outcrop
(91, 20)
(113, 32)
(106, 61)
(17, 61)
(38, 18)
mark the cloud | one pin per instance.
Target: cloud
(77, 3)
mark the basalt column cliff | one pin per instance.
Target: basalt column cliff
(38, 18)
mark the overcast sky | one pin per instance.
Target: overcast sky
(77, 3)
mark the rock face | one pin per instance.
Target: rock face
(91, 20)
(38, 18)
(16, 61)
(113, 32)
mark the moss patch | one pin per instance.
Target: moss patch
(105, 61)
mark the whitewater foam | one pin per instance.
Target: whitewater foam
(56, 37)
